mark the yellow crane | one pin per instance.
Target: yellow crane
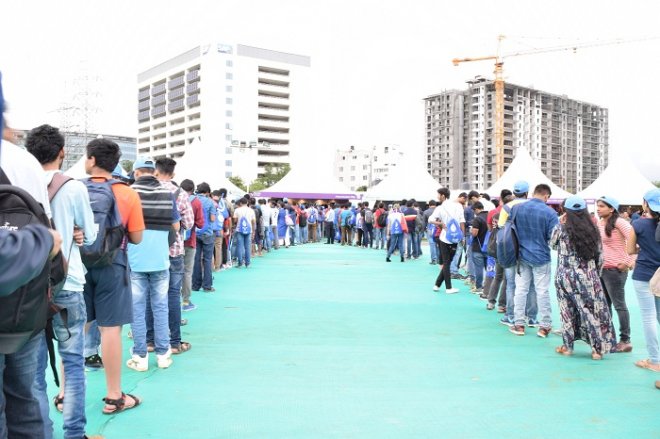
(499, 83)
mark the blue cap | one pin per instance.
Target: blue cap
(652, 197)
(144, 162)
(612, 202)
(520, 187)
(575, 203)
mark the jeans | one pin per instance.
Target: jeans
(296, 229)
(173, 304)
(330, 232)
(447, 254)
(468, 261)
(70, 346)
(368, 235)
(495, 287)
(540, 277)
(379, 238)
(649, 308)
(478, 265)
(412, 244)
(276, 239)
(396, 241)
(312, 233)
(188, 263)
(614, 282)
(92, 340)
(531, 308)
(202, 276)
(20, 417)
(243, 242)
(303, 235)
(457, 258)
(433, 247)
(155, 286)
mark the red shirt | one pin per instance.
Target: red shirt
(198, 212)
(491, 214)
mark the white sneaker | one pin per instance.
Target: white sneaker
(164, 360)
(452, 291)
(141, 364)
(436, 288)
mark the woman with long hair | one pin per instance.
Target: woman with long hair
(582, 304)
(645, 240)
(614, 233)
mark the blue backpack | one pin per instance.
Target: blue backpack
(110, 236)
(454, 234)
(222, 209)
(395, 227)
(507, 240)
(312, 216)
(244, 227)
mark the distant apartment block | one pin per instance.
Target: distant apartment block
(567, 138)
(229, 95)
(366, 166)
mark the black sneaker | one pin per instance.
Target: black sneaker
(94, 362)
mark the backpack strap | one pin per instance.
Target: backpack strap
(56, 184)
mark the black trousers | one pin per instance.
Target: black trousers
(330, 232)
(447, 252)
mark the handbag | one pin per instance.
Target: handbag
(654, 283)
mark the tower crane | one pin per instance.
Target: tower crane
(499, 82)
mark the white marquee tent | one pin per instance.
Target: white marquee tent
(77, 171)
(407, 180)
(309, 183)
(622, 181)
(524, 168)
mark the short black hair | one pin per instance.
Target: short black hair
(478, 205)
(542, 189)
(45, 143)
(165, 165)
(242, 201)
(223, 192)
(262, 201)
(486, 196)
(203, 188)
(444, 191)
(188, 185)
(505, 193)
(409, 203)
(473, 194)
(105, 152)
(365, 204)
(433, 203)
(215, 193)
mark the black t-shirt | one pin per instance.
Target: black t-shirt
(479, 222)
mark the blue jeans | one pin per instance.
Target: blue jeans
(379, 238)
(457, 257)
(368, 235)
(468, 261)
(20, 416)
(295, 239)
(412, 244)
(540, 277)
(243, 242)
(303, 235)
(92, 340)
(649, 308)
(396, 241)
(478, 265)
(155, 286)
(433, 248)
(531, 309)
(173, 304)
(70, 346)
(202, 276)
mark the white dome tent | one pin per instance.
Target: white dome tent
(621, 181)
(407, 180)
(523, 168)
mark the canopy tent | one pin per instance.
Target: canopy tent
(308, 183)
(523, 168)
(622, 181)
(198, 165)
(407, 180)
(77, 171)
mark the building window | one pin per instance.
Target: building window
(227, 174)
(229, 101)
(364, 177)
(228, 113)
(341, 178)
(229, 88)
(341, 169)
(228, 163)
(230, 63)
(227, 150)
(229, 75)
(228, 126)
(364, 167)
(352, 168)
(228, 137)
(353, 178)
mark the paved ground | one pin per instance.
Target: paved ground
(322, 341)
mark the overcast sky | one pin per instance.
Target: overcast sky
(373, 62)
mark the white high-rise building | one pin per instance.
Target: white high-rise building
(234, 96)
(367, 166)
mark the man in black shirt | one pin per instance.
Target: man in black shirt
(478, 231)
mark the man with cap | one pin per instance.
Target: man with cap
(150, 263)
(535, 222)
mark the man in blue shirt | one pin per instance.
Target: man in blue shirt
(534, 222)
(205, 240)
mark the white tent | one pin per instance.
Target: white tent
(524, 168)
(198, 165)
(309, 183)
(77, 171)
(405, 181)
(621, 181)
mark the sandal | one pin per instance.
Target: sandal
(183, 347)
(58, 402)
(120, 404)
(646, 364)
(563, 350)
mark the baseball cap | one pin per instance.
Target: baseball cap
(575, 203)
(652, 197)
(610, 201)
(144, 162)
(520, 187)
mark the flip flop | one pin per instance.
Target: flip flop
(183, 347)
(646, 364)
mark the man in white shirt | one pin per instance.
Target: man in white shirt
(449, 216)
(245, 221)
(274, 213)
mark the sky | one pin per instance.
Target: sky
(373, 62)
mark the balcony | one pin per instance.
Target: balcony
(277, 107)
(192, 76)
(158, 111)
(143, 105)
(158, 89)
(193, 100)
(192, 88)
(158, 100)
(175, 105)
(176, 93)
(275, 83)
(143, 116)
(176, 82)
(143, 94)
(273, 71)
(273, 94)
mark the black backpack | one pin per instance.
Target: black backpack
(382, 219)
(24, 312)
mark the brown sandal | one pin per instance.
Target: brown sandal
(563, 350)
(120, 404)
(58, 402)
(183, 347)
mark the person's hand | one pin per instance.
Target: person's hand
(622, 267)
(57, 243)
(78, 236)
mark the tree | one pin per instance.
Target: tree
(127, 165)
(361, 189)
(273, 174)
(238, 182)
(657, 183)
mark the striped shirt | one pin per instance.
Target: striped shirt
(187, 217)
(614, 247)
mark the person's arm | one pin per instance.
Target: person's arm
(23, 255)
(631, 244)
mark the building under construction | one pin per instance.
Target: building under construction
(567, 138)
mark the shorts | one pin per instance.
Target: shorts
(108, 296)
